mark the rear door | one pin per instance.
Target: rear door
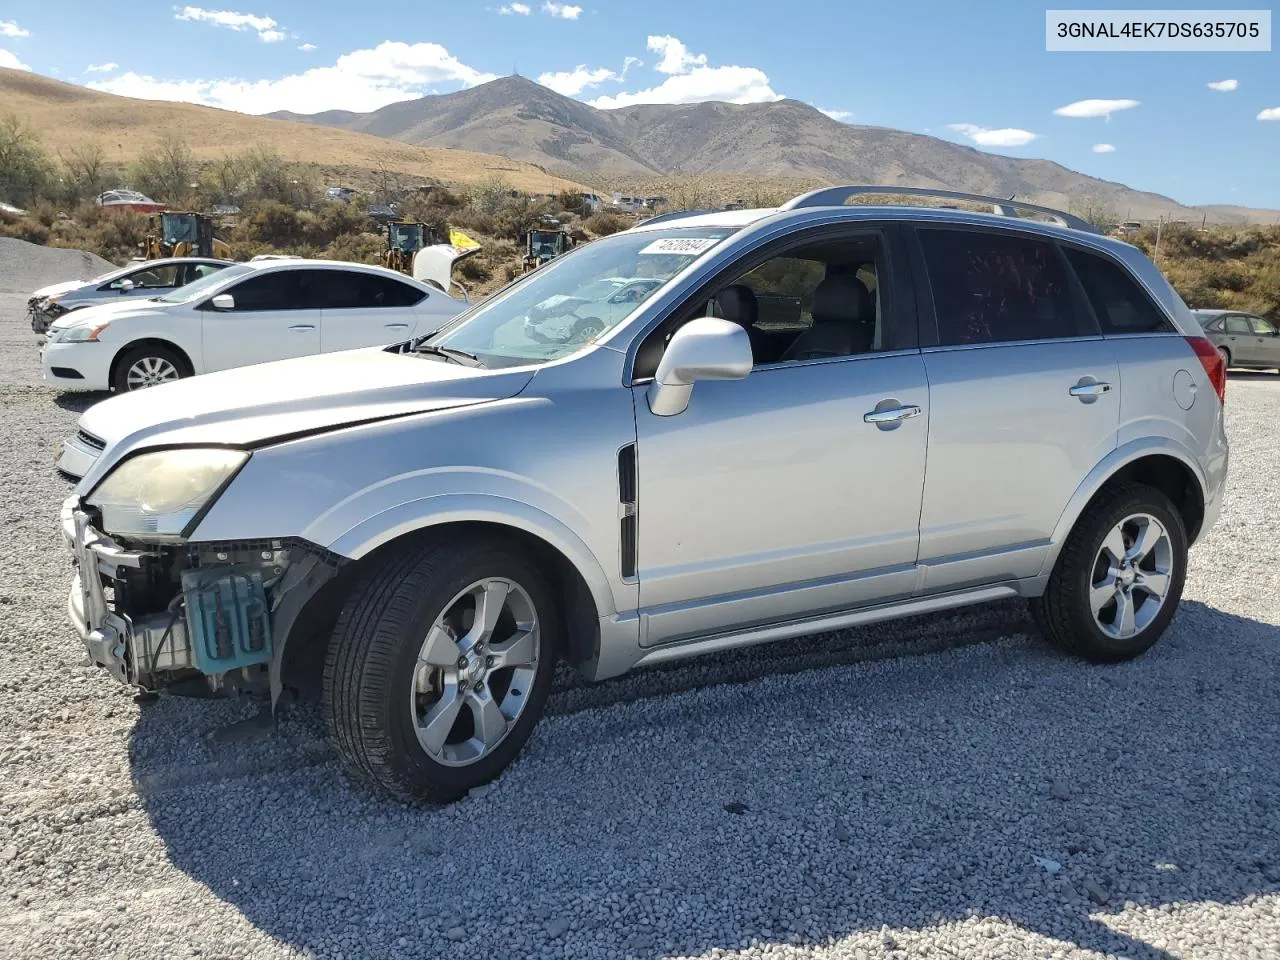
(1239, 339)
(1023, 397)
(360, 309)
(273, 319)
(1267, 340)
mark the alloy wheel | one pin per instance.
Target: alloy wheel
(149, 371)
(475, 671)
(1131, 576)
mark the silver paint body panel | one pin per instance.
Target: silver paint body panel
(769, 507)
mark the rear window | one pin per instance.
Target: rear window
(1121, 305)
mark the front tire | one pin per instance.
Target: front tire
(148, 366)
(1119, 578)
(439, 666)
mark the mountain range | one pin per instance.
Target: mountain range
(517, 118)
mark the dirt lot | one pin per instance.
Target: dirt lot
(883, 792)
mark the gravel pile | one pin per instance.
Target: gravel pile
(827, 798)
(25, 267)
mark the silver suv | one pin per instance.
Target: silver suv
(818, 416)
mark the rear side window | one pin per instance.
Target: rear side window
(995, 288)
(1239, 325)
(1121, 305)
(343, 289)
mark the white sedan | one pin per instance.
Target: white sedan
(247, 313)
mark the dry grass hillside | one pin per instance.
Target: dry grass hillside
(66, 115)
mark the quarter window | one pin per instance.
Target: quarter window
(1119, 302)
(995, 288)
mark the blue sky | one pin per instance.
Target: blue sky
(975, 75)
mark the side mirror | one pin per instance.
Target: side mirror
(707, 348)
(224, 301)
(124, 286)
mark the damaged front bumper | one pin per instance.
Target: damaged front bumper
(209, 616)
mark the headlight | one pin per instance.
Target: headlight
(83, 333)
(155, 495)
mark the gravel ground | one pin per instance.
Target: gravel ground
(941, 787)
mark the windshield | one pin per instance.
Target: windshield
(199, 288)
(567, 304)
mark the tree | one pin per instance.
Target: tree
(86, 170)
(25, 171)
(167, 171)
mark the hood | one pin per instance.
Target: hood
(251, 405)
(66, 286)
(97, 312)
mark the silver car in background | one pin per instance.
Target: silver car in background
(1243, 339)
(142, 279)
(417, 534)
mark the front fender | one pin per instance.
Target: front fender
(1108, 467)
(423, 512)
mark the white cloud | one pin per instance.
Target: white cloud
(573, 82)
(264, 27)
(519, 9)
(1095, 108)
(361, 80)
(1271, 113)
(841, 115)
(307, 47)
(1223, 86)
(1103, 148)
(10, 29)
(690, 80)
(7, 59)
(986, 137)
(102, 68)
(562, 10)
(676, 57)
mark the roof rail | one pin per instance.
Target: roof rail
(676, 215)
(836, 197)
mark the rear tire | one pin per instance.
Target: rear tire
(414, 701)
(148, 366)
(1225, 354)
(1119, 578)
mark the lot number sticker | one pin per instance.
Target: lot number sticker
(681, 245)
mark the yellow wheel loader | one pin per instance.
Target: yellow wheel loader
(544, 244)
(182, 235)
(404, 240)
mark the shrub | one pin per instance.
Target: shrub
(604, 223)
(357, 248)
(26, 172)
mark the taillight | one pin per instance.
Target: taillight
(1214, 366)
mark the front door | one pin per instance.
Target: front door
(1267, 341)
(272, 319)
(795, 491)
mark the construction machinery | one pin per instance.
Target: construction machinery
(544, 243)
(404, 240)
(171, 234)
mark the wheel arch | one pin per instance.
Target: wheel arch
(133, 345)
(1162, 464)
(300, 654)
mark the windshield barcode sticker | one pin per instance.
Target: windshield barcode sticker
(681, 245)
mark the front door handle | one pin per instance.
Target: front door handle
(303, 326)
(1089, 390)
(892, 415)
(396, 326)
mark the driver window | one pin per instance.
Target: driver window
(1262, 328)
(165, 277)
(819, 301)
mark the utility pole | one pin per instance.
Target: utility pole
(1155, 257)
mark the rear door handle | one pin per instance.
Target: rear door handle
(1088, 391)
(396, 326)
(303, 326)
(892, 415)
